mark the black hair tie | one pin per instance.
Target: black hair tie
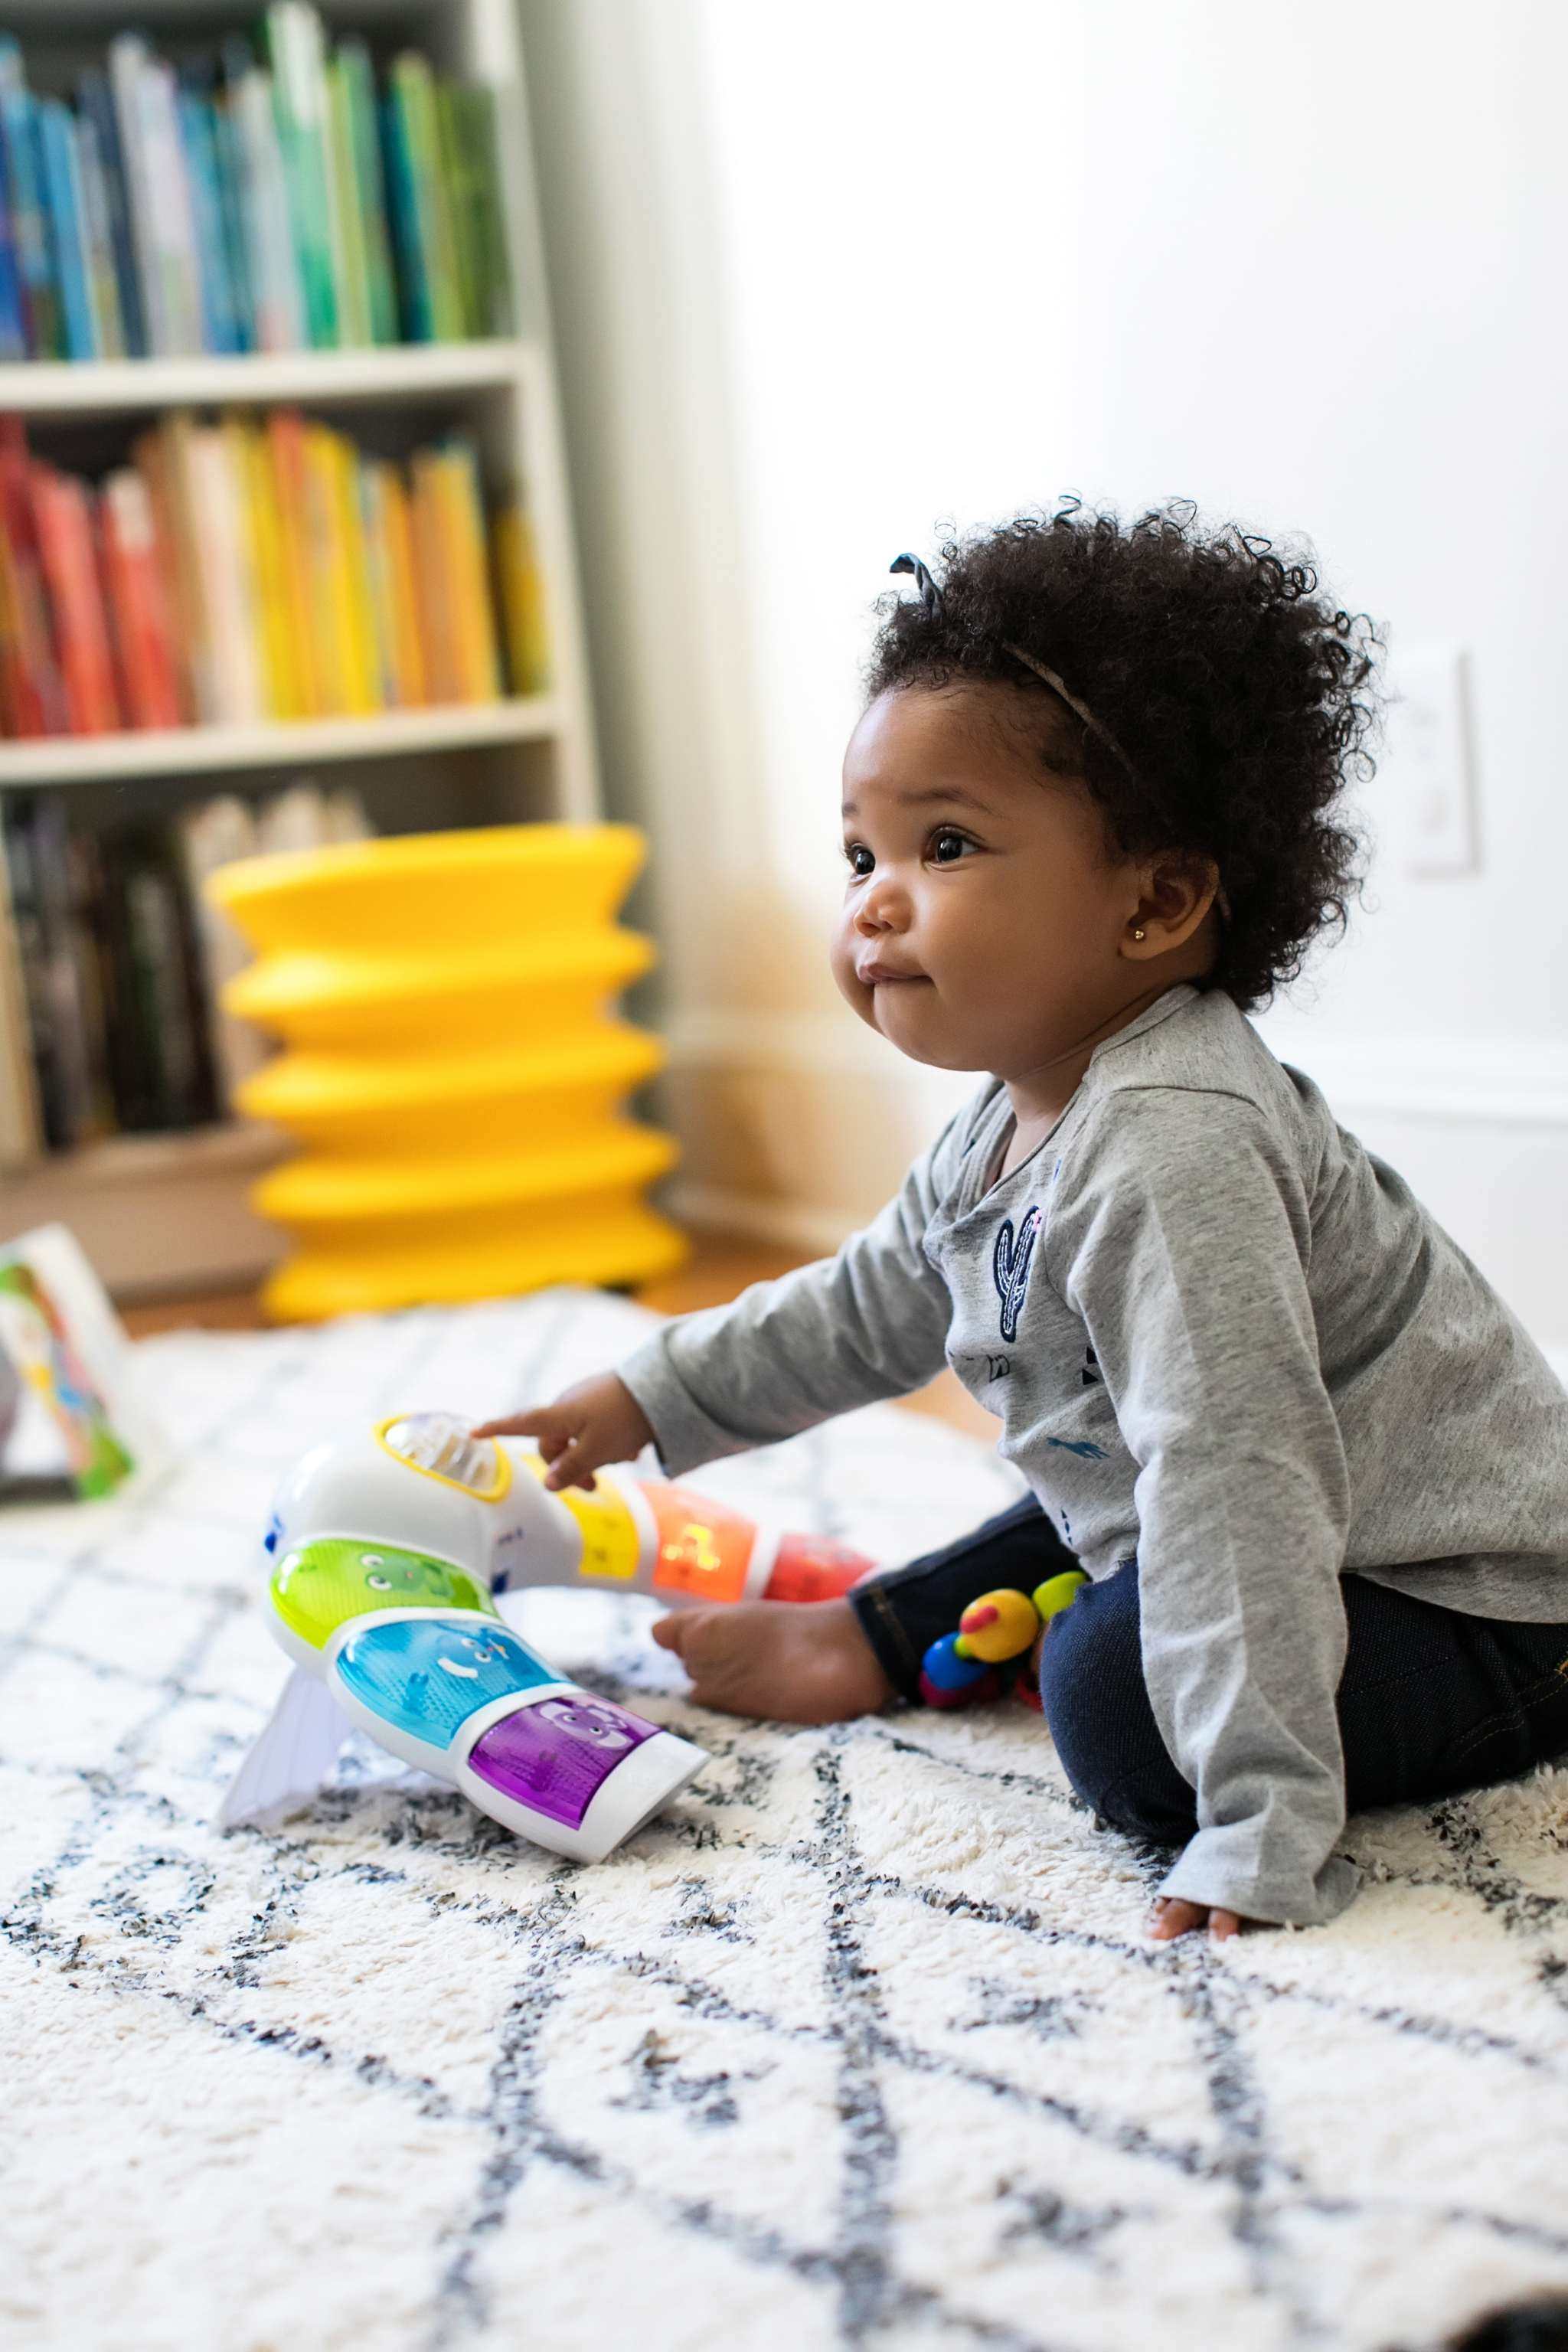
(930, 594)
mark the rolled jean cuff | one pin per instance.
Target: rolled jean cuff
(903, 1610)
(897, 1656)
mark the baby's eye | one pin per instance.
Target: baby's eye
(948, 847)
(859, 858)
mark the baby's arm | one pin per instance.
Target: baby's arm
(870, 1322)
(1184, 1256)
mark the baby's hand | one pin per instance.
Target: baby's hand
(598, 1420)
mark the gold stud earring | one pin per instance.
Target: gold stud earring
(1137, 931)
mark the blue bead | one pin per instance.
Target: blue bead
(947, 1670)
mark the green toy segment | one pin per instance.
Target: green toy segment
(320, 1586)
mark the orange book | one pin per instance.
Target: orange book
(162, 460)
(75, 599)
(288, 467)
(135, 592)
(403, 596)
(464, 523)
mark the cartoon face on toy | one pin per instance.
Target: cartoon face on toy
(320, 1586)
(601, 1726)
(554, 1756)
(428, 1676)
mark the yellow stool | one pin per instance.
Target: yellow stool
(449, 1065)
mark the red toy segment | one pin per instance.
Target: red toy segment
(806, 1568)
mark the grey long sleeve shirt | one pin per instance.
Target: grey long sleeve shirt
(1221, 1336)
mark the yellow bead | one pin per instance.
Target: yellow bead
(998, 1625)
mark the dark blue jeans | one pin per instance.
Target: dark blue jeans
(1431, 1700)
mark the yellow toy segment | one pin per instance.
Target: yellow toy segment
(998, 1626)
(612, 1547)
(439, 888)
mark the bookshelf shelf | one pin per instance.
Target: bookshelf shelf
(59, 760)
(157, 1213)
(395, 372)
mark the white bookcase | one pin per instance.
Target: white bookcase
(167, 1212)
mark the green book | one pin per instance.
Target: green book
(353, 276)
(355, 66)
(414, 87)
(490, 214)
(456, 170)
(294, 48)
(473, 182)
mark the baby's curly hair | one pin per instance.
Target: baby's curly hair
(1242, 699)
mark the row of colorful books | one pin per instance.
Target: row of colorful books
(114, 961)
(231, 205)
(258, 569)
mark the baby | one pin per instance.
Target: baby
(1315, 1469)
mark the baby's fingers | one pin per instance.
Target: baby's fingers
(513, 1424)
(571, 1461)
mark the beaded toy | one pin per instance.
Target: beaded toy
(994, 1633)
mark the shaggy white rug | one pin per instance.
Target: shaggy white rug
(863, 2044)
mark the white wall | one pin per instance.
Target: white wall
(826, 275)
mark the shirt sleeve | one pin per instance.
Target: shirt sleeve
(871, 1322)
(1184, 1246)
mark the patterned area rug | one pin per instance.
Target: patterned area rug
(862, 2044)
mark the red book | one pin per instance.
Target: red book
(134, 591)
(65, 538)
(35, 702)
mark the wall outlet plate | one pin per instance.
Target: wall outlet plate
(1431, 759)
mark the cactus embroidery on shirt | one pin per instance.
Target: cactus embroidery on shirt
(1010, 1266)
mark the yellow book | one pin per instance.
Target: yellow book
(286, 465)
(353, 570)
(519, 598)
(463, 532)
(281, 690)
(329, 615)
(407, 646)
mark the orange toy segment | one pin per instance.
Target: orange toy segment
(704, 1548)
(806, 1568)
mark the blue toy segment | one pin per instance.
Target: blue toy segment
(427, 1678)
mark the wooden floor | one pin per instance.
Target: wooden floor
(719, 1270)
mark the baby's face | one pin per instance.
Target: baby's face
(982, 916)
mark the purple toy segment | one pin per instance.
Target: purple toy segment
(555, 1755)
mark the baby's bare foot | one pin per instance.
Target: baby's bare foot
(789, 1661)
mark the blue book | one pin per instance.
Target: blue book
(96, 103)
(13, 313)
(199, 137)
(403, 205)
(24, 197)
(231, 186)
(57, 166)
